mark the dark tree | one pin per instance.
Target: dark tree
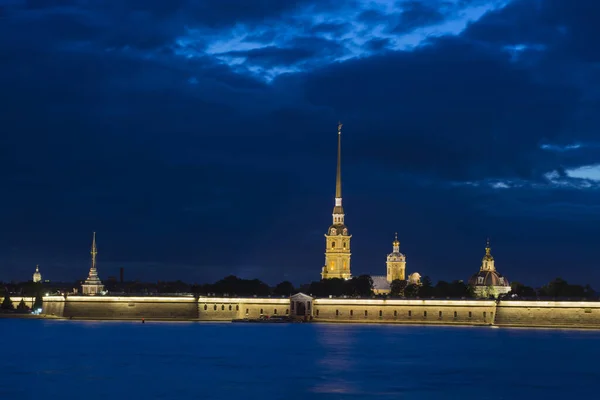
(426, 289)
(232, 285)
(284, 288)
(561, 288)
(22, 307)
(329, 287)
(397, 287)
(589, 292)
(521, 290)
(361, 286)
(7, 304)
(39, 302)
(556, 288)
(412, 291)
(455, 289)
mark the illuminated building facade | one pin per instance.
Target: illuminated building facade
(396, 263)
(488, 282)
(37, 276)
(337, 238)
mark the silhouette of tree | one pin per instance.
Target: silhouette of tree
(22, 307)
(397, 287)
(426, 289)
(284, 288)
(561, 288)
(7, 303)
(456, 289)
(412, 290)
(360, 286)
(232, 285)
(38, 303)
(521, 290)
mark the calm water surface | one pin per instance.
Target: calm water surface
(129, 360)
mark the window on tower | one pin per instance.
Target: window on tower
(333, 245)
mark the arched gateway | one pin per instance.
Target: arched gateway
(301, 306)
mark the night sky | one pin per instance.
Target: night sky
(198, 138)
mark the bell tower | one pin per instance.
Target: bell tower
(396, 263)
(337, 238)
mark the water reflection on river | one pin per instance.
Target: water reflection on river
(94, 360)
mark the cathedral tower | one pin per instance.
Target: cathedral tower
(37, 276)
(92, 284)
(396, 263)
(487, 263)
(337, 239)
(488, 282)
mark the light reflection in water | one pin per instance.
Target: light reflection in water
(336, 342)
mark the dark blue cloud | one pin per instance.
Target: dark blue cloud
(417, 14)
(198, 138)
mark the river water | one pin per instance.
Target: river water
(51, 359)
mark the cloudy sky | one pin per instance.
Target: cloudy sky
(198, 137)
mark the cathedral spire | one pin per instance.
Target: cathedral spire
(337, 250)
(92, 284)
(338, 210)
(338, 178)
(488, 249)
(94, 251)
(396, 243)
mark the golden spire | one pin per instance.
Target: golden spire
(94, 251)
(396, 242)
(338, 178)
(487, 247)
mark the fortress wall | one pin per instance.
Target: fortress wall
(108, 307)
(460, 312)
(227, 309)
(468, 312)
(17, 299)
(548, 314)
(53, 305)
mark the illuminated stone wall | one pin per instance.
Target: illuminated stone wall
(53, 305)
(463, 312)
(105, 307)
(29, 301)
(549, 314)
(445, 312)
(182, 308)
(227, 309)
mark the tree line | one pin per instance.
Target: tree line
(359, 286)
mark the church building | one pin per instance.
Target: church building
(488, 282)
(337, 238)
(337, 244)
(396, 270)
